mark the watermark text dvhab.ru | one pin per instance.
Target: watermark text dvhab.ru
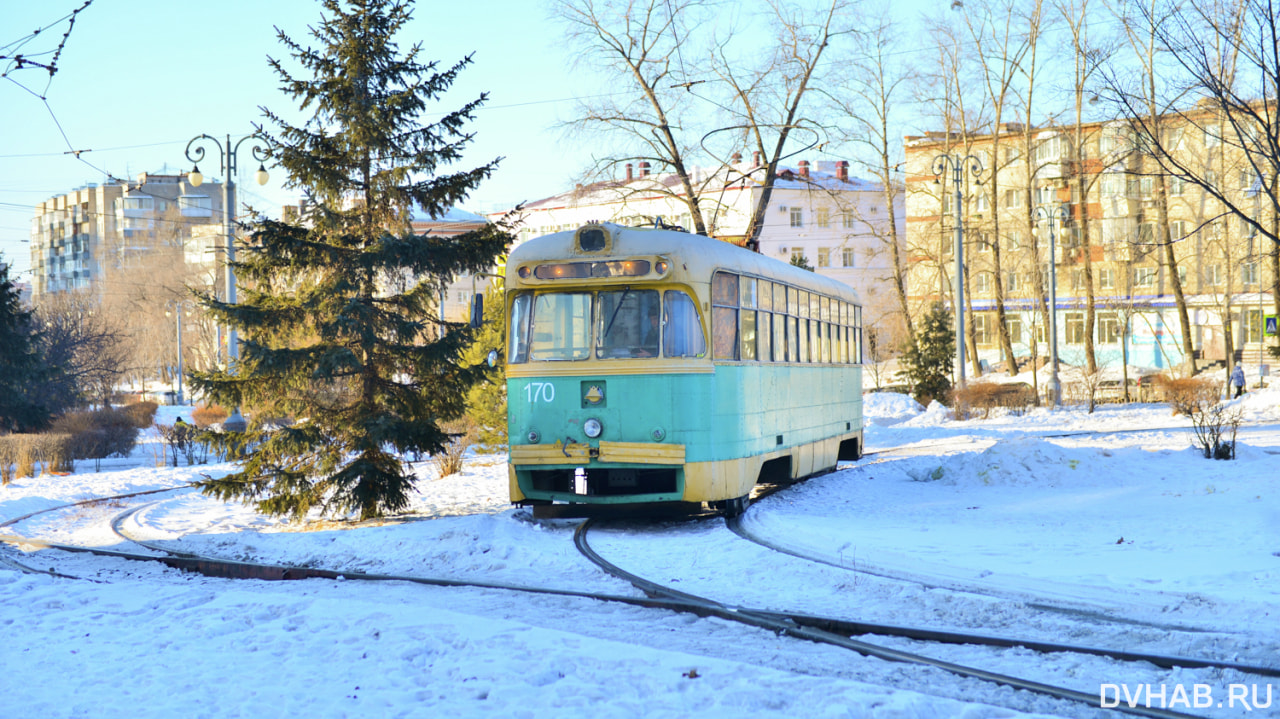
(1245, 697)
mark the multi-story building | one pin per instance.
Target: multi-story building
(817, 213)
(79, 237)
(1117, 221)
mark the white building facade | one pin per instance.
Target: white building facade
(837, 224)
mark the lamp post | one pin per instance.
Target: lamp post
(1058, 213)
(958, 164)
(227, 156)
(177, 308)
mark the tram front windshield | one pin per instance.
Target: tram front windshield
(626, 323)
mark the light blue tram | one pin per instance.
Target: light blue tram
(652, 366)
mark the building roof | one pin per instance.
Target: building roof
(824, 174)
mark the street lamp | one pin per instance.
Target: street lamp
(1060, 214)
(177, 308)
(227, 156)
(958, 165)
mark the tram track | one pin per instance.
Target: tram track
(833, 631)
(840, 632)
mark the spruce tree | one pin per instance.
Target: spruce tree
(339, 329)
(22, 367)
(927, 361)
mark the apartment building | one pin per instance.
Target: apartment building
(1114, 217)
(79, 237)
(836, 223)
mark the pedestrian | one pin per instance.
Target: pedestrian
(1237, 380)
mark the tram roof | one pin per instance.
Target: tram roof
(699, 255)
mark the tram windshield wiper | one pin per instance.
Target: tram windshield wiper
(616, 309)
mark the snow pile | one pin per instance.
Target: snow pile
(888, 408)
(936, 414)
(1016, 462)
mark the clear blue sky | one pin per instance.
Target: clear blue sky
(139, 78)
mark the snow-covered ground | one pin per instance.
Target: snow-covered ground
(968, 525)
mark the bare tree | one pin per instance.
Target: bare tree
(639, 46)
(770, 99)
(1005, 33)
(869, 91)
(89, 353)
(1149, 103)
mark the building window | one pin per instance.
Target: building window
(982, 334)
(824, 216)
(1013, 198)
(1212, 136)
(982, 282)
(1109, 328)
(1144, 276)
(1015, 328)
(1075, 328)
(1077, 279)
(1177, 186)
(797, 217)
(1253, 326)
(1105, 279)
(846, 257)
(797, 256)
(1213, 275)
(1011, 283)
(1014, 240)
(982, 204)
(1182, 276)
(846, 220)
(824, 255)
(1249, 273)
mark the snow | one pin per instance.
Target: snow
(973, 525)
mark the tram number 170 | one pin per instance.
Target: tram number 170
(540, 392)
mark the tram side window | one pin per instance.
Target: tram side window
(780, 322)
(724, 316)
(749, 331)
(561, 328)
(682, 334)
(764, 334)
(518, 348)
(629, 324)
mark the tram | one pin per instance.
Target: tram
(650, 366)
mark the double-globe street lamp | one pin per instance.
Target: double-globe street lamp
(958, 164)
(1058, 213)
(177, 308)
(227, 155)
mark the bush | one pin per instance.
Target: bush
(462, 433)
(985, 396)
(205, 416)
(100, 434)
(186, 439)
(21, 453)
(141, 414)
(1189, 395)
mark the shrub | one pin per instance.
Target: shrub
(462, 433)
(100, 434)
(205, 416)
(21, 453)
(985, 396)
(141, 414)
(185, 439)
(1189, 395)
(1207, 427)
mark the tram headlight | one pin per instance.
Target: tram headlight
(534, 437)
(592, 428)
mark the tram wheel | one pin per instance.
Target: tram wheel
(736, 506)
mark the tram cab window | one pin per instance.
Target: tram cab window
(560, 328)
(682, 332)
(518, 349)
(629, 324)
